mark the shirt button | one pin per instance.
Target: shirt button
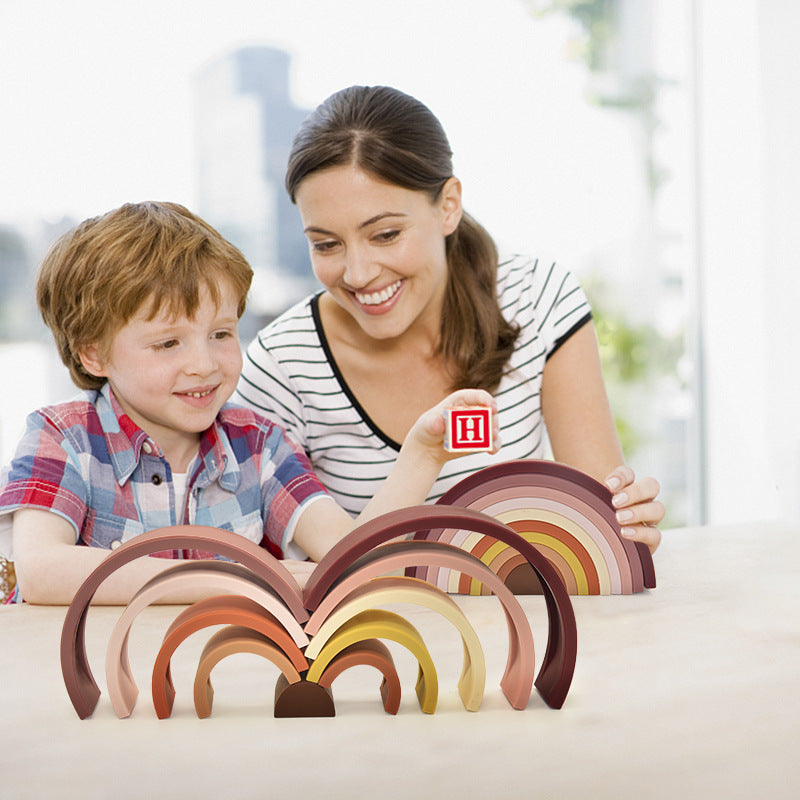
(147, 447)
(156, 479)
(115, 544)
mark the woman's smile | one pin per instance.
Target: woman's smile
(380, 252)
(381, 301)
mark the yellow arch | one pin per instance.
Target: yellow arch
(599, 549)
(377, 624)
(595, 553)
(545, 540)
(397, 589)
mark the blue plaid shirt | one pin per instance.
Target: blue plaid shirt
(86, 461)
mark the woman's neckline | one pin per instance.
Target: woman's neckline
(337, 372)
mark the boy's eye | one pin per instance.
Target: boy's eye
(166, 345)
(225, 334)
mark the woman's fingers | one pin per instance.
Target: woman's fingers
(638, 510)
(650, 536)
(637, 492)
(631, 492)
(620, 477)
(649, 513)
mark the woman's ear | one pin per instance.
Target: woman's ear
(450, 204)
(92, 361)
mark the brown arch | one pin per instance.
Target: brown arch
(370, 653)
(229, 641)
(228, 609)
(78, 679)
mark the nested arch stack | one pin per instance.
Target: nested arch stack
(535, 516)
(565, 513)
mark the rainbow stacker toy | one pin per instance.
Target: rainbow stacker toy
(524, 525)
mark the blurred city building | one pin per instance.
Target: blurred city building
(245, 121)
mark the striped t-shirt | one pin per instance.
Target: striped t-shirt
(290, 375)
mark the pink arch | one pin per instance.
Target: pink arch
(573, 482)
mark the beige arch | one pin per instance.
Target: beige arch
(394, 589)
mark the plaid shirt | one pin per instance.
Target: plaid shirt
(86, 461)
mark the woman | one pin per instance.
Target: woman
(416, 304)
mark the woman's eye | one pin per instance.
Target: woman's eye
(384, 237)
(324, 245)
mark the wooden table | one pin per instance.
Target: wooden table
(688, 691)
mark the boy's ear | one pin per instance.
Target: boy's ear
(92, 361)
(450, 204)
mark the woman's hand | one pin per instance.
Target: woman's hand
(638, 510)
(323, 523)
(428, 431)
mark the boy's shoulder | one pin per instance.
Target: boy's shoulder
(236, 418)
(249, 433)
(79, 412)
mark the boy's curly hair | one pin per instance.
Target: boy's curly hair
(150, 255)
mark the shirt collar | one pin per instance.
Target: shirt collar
(127, 442)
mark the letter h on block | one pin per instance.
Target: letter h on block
(468, 430)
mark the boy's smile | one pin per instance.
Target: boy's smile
(172, 375)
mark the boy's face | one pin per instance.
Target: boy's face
(171, 375)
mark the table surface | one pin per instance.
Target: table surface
(690, 691)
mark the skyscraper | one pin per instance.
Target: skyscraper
(245, 121)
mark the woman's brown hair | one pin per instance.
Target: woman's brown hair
(97, 276)
(396, 138)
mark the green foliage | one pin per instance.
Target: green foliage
(633, 353)
(634, 356)
(596, 20)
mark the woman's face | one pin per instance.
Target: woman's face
(379, 249)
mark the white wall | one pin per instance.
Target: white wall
(748, 241)
(779, 21)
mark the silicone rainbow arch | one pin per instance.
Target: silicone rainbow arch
(564, 513)
(267, 613)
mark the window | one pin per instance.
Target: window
(570, 123)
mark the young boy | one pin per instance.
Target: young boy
(144, 304)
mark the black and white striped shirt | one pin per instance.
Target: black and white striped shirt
(291, 376)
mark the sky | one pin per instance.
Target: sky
(96, 102)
